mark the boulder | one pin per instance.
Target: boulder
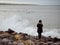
(28, 42)
(5, 41)
(10, 31)
(15, 43)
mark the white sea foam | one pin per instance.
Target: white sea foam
(19, 24)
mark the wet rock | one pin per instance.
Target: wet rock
(10, 31)
(49, 38)
(55, 39)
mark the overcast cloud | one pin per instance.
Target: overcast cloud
(40, 2)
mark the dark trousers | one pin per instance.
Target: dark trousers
(39, 35)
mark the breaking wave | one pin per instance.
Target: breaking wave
(18, 24)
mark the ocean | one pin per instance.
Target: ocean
(24, 18)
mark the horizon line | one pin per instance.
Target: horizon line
(23, 4)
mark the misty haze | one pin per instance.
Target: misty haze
(24, 18)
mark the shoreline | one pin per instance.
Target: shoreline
(25, 39)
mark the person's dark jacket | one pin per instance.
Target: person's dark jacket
(39, 27)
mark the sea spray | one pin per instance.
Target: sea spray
(51, 32)
(19, 24)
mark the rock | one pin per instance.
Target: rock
(1, 32)
(18, 37)
(4, 35)
(10, 31)
(15, 43)
(29, 42)
(45, 44)
(49, 38)
(55, 39)
(57, 43)
(11, 37)
(40, 43)
(0, 41)
(5, 41)
(50, 43)
(10, 43)
(20, 43)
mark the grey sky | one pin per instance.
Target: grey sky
(40, 2)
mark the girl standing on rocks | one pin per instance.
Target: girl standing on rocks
(39, 28)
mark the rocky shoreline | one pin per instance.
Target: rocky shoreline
(11, 37)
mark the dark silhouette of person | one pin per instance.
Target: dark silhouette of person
(39, 28)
